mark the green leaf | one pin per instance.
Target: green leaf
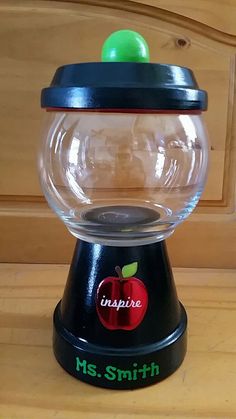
(129, 270)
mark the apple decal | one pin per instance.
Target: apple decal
(122, 301)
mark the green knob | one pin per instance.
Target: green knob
(125, 46)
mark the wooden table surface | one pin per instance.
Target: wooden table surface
(33, 385)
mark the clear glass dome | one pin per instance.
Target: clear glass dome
(123, 178)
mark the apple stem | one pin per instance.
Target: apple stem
(119, 272)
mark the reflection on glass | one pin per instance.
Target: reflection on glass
(122, 168)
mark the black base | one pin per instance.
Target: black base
(120, 324)
(123, 368)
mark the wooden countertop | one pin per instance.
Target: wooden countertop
(34, 386)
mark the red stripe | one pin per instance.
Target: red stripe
(146, 111)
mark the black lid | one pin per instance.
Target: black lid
(124, 80)
(122, 85)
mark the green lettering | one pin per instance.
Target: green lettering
(154, 369)
(135, 371)
(124, 374)
(144, 370)
(91, 370)
(82, 364)
(110, 374)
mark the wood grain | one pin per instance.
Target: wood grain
(38, 36)
(42, 37)
(39, 236)
(204, 11)
(33, 386)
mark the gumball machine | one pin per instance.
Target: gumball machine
(123, 162)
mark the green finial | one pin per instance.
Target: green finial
(125, 46)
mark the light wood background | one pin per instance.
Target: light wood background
(34, 386)
(38, 36)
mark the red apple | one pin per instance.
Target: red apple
(122, 301)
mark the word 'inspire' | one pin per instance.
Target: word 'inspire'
(105, 302)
